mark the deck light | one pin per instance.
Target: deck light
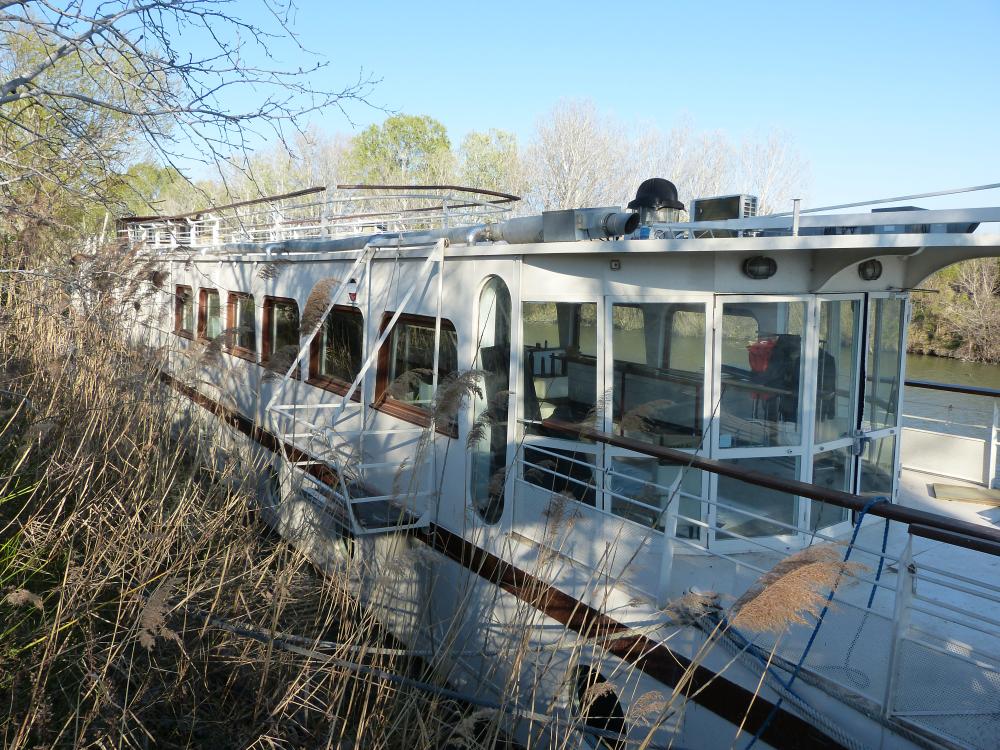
(870, 270)
(352, 291)
(760, 267)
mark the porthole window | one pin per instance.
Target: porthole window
(488, 438)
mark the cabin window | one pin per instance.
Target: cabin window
(641, 489)
(184, 312)
(281, 332)
(659, 372)
(761, 369)
(405, 375)
(836, 375)
(743, 509)
(241, 322)
(560, 362)
(338, 351)
(488, 442)
(209, 314)
(886, 325)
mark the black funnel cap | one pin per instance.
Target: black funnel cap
(656, 193)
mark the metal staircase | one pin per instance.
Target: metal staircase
(367, 497)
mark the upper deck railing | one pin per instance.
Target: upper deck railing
(319, 212)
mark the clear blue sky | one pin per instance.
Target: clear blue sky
(882, 98)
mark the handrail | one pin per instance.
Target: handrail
(967, 532)
(972, 390)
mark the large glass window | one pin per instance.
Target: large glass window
(209, 314)
(184, 312)
(560, 362)
(877, 464)
(762, 362)
(837, 380)
(640, 491)
(281, 331)
(885, 338)
(659, 372)
(562, 472)
(748, 506)
(406, 370)
(488, 444)
(832, 470)
(242, 325)
(338, 350)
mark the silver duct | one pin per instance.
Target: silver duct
(551, 226)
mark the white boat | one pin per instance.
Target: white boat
(643, 407)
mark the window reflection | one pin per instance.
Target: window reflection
(560, 361)
(641, 491)
(659, 372)
(885, 336)
(488, 446)
(837, 372)
(762, 361)
(832, 470)
(744, 499)
(877, 463)
(338, 349)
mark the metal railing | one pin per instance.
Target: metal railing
(318, 212)
(913, 638)
(952, 430)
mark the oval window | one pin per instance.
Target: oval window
(488, 439)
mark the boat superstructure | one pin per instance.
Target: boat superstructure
(611, 407)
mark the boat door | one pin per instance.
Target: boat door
(763, 395)
(885, 320)
(839, 359)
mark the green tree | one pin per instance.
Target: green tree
(491, 160)
(402, 150)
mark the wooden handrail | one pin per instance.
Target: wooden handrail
(966, 532)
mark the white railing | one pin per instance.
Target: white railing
(911, 638)
(319, 213)
(952, 431)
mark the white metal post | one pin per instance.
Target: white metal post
(669, 542)
(901, 620)
(991, 476)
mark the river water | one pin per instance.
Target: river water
(961, 414)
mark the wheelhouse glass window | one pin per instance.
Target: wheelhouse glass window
(886, 323)
(406, 370)
(836, 383)
(242, 324)
(560, 362)
(281, 331)
(659, 372)
(209, 314)
(761, 370)
(338, 350)
(184, 311)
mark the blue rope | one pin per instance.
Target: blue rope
(826, 608)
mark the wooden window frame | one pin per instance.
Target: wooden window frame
(400, 409)
(231, 324)
(202, 324)
(265, 329)
(326, 382)
(182, 292)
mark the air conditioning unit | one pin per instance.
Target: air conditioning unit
(720, 208)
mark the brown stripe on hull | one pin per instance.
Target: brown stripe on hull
(721, 696)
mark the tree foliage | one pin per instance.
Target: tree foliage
(404, 149)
